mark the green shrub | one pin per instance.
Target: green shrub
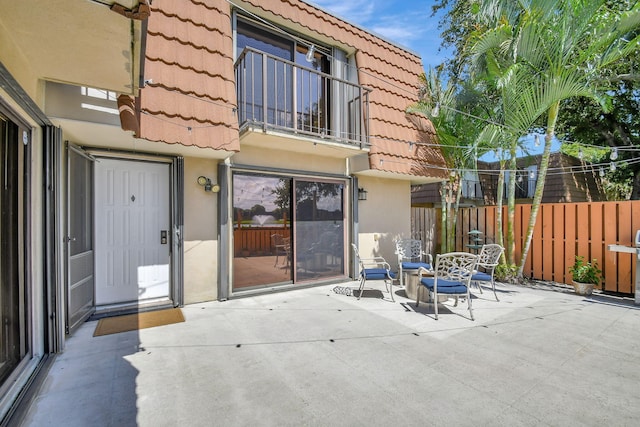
(506, 273)
(586, 272)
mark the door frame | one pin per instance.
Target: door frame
(176, 214)
(225, 174)
(71, 322)
(294, 223)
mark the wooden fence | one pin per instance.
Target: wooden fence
(256, 241)
(425, 225)
(563, 230)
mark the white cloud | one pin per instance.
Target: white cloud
(400, 26)
(356, 11)
(401, 34)
(408, 23)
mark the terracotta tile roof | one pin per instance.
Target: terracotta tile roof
(189, 98)
(189, 57)
(393, 74)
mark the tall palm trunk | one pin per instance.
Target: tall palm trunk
(500, 194)
(448, 191)
(510, 247)
(456, 208)
(552, 118)
(443, 217)
(450, 216)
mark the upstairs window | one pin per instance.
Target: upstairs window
(258, 38)
(99, 93)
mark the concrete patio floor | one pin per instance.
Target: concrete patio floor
(311, 357)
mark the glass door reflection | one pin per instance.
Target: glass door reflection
(271, 248)
(319, 230)
(261, 231)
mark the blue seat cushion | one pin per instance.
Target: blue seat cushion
(377, 273)
(444, 286)
(482, 277)
(415, 265)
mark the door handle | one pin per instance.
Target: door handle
(163, 237)
(177, 236)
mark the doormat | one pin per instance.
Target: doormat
(132, 322)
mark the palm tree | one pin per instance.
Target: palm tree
(494, 138)
(542, 52)
(456, 136)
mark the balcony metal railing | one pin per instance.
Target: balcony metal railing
(471, 189)
(280, 94)
(525, 186)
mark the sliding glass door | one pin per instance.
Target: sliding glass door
(319, 229)
(261, 230)
(286, 230)
(15, 309)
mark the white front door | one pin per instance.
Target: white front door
(132, 231)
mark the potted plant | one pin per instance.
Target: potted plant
(585, 275)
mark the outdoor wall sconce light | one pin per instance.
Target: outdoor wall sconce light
(310, 52)
(362, 194)
(208, 186)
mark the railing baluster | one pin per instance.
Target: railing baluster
(325, 122)
(286, 93)
(276, 119)
(365, 134)
(265, 117)
(253, 87)
(294, 88)
(310, 106)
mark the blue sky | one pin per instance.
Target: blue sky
(410, 24)
(405, 22)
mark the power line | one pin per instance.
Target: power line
(227, 105)
(562, 170)
(310, 44)
(191, 128)
(410, 143)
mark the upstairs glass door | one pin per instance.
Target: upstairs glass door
(266, 86)
(280, 82)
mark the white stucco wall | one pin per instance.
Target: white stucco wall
(279, 159)
(384, 217)
(200, 232)
(14, 61)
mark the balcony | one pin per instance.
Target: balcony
(281, 96)
(525, 186)
(471, 189)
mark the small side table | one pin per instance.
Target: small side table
(411, 288)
